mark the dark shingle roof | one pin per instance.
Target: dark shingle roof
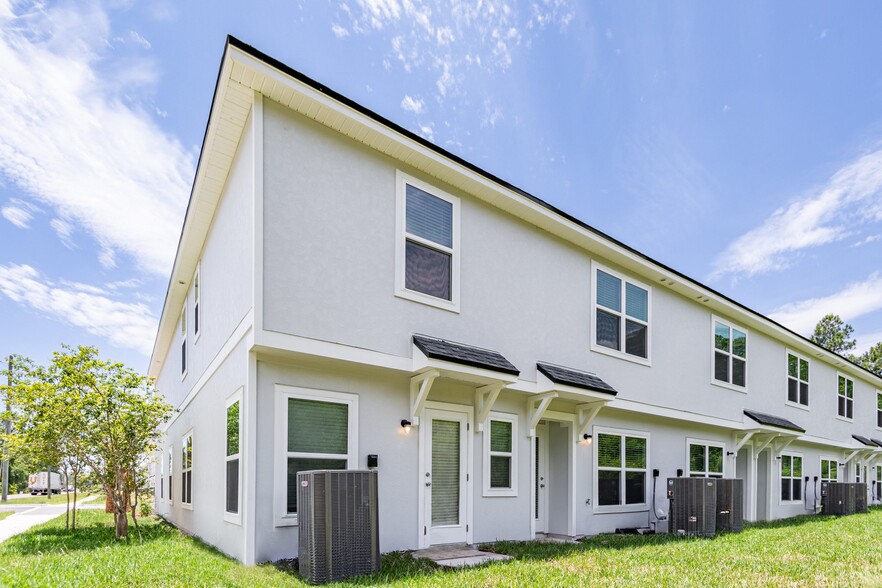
(435, 348)
(876, 441)
(570, 377)
(768, 419)
(864, 440)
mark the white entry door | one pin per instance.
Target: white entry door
(444, 481)
(540, 478)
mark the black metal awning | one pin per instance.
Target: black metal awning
(773, 421)
(576, 378)
(435, 348)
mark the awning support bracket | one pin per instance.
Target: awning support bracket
(420, 385)
(585, 414)
(485, 398)
(536, 407)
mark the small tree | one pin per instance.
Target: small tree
(834, 334)
(124, 414)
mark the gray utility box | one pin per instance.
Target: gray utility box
(843, 498)
(338, 524)
(730, 505)
(693, 506)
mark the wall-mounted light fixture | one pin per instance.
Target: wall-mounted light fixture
(729, 453)
(588, 438)
(405, 424)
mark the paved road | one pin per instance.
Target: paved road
(30, 515)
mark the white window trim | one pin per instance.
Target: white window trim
(182, 330)
(282, 393)
(162, 480)
(621, 354)
(706, 443)
(713, 349)
(801, 478)
(197, 302)
(230, 517)
(853, 394)
(513, 455)
(878, 394)
(799, 358)
(835, 460)
(620, 508)
(187, 505)
(171, 473)
(401, 181)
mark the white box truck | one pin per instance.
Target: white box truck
(37, 483)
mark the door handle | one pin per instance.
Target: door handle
(428, 483)
(542, 485)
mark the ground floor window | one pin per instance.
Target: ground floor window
(791, 477)
(316, 430)
(187, 469)
(621, 468)
(500, 465)
(705, 459)
(829, 470)
(232, 454)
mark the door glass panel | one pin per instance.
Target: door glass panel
(445, 472)
(536, 498)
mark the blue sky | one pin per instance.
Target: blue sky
(740, 143)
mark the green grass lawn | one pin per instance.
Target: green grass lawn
(806, 551)
(6, 513)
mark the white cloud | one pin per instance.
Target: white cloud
(136, 38)
(855, 300)
(448, 35)
(125, 325)
(865, 341)
(339, 31)
(19, 213)
(63, 230)
(74, 135)
(492, 114)
(428, 131)
(414, 105)
(866, 241)
(853, 196)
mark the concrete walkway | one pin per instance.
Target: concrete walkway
(30, 515)
(458, 556)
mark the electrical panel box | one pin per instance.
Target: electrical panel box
(338, 524)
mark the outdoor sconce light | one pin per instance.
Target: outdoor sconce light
(405, 424)
(728, 453)
(588, 438)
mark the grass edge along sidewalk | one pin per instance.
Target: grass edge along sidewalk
(805, 551)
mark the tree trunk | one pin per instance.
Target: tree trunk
(67, 495)
(122, 522)
(73, 525)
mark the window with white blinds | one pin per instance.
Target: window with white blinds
(621, 315)
(315, 430)
(428, 249)
(445, 472)
(500, 462)
(621, 469)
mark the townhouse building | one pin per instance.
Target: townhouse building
(348, 295)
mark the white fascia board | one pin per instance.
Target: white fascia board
(672, 413)
(274, 343)
(199, 213)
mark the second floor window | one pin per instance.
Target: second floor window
(621, 314)
(797, 379)
(184, 341)
(428, 244)
(730, 354)
(846, 397)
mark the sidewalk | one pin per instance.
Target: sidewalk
(37, 514)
